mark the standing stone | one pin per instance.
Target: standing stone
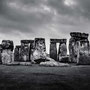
(7, 52)
(72, 45)
(40, 50)
(24, 52)
(78, 47)
(84, 57)
(32, 48)
(7, 57)
(40, 44)
(53, 50)
(17, 53)
(62, 50)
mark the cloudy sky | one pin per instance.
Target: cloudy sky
(27, 19)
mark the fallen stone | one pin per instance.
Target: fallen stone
(53, 64)
(13, 63)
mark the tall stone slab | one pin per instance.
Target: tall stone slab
(63, 48)
(24, 52)
(53, 50)
(84, 53)
(7, 52)
(39, 52)
(32, 48)
(17, 53)
(62, 52)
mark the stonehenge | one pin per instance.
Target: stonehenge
(62, 51)
(17, 53)
(34, 51)
(26, 50)
(78, 47)
(7, 55)
(39, 52)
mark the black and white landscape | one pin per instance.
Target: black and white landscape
(44, 45)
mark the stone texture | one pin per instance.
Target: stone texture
(32, 48)
(7, 44)
(40, 50)
(57, 40)
(53, 51)
(64, 59)
(62, 50)
(53, 64)
(17, 53)
(7, 57)
(84, 60)
(25, 49)
(78, 46)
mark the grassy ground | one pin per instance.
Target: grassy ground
(44, 78)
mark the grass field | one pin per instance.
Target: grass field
(37, 77)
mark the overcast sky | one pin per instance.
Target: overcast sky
(27, 19)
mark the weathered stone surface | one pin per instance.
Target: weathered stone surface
(53, 64)
(7, 44)
(62, 51)
(53, 51)
(58, 40)
(62, 48)
(17, 53)
(84, 60)
(64, 59)
(7, 51)
(19, 63)
(79, 35)
(13, 64)
(40, 50)
(7, 57)
(32, 48)
(78, 46)
(24, 52)
(40, 44)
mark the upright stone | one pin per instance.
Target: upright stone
(40, 50)
(62, 50)
(17, 53)
(32, 48)
(53, 50)
(7, 52)
(24, 52)
(79, 47)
